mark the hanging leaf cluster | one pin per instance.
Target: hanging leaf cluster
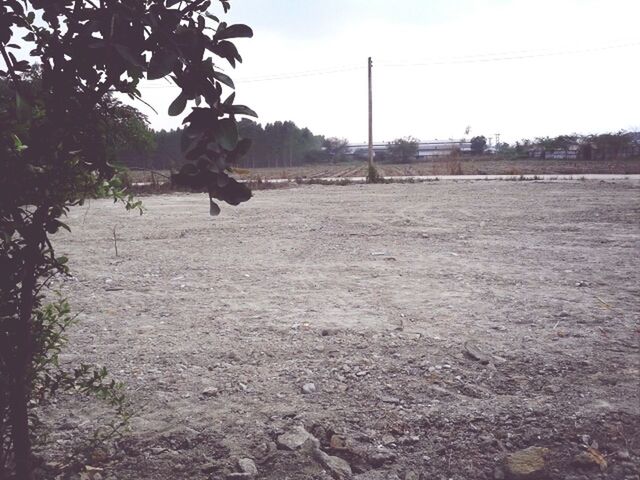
(88, 48)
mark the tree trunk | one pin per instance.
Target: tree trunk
(19, 394)
(20, 429)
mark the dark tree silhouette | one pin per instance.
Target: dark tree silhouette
(478, 145)
(55, 149)
(403, 150)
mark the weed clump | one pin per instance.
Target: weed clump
(373, 176)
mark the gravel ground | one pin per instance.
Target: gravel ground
(442, 325)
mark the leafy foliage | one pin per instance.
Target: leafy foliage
(373, 176)
(278, 144)
(335, 148)
(478, 145)
(403, 150)
(603, 146)
(57, 126)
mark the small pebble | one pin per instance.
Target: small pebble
(309, 388)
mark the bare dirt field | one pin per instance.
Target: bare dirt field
(443, 325)
(455, 166)
(437, 166)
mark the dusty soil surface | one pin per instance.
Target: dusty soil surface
(437, 166)
(373, 293)
(455, 166)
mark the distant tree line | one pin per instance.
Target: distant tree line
(277, 144)
(281, 144)
(284, 144)
(603, 146)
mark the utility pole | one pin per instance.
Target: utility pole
(370, 121)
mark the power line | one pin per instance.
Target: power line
(482, 58)
(301, 74)
(282, 76)
(460, 60)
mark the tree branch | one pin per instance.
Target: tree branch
(10, 69)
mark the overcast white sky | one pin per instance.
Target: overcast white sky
(585, 79)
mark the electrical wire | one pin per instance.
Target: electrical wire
(461, 60)
(280, 76)
(310, 73)
(482, 58)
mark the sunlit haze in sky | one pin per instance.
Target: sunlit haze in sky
(521, 68)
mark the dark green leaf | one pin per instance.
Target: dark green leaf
(65, 226)
(227, 50)
(16, 141)
(243, 147)
(22, 66)
(127, 56)
(227, 134)
(214, 209)
(233, 192)
(223, 78)
(178, 105)
(161, 64)
(243, 110)
(234, 31)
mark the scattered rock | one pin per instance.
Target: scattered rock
(388, 439)
(552, 388)
(591, 458)
(247, 465)
(336, 466)
(309, 388)
(388, 399)
(380, 457)
(527, 464)
(265, 451)
(486, 441)
(295, 439)
(209, 467)
(473, 351)
(623, 455)
(409, 440)
(585, 439)
(239, 476)
(338, 442)
(210, 392)
(326, 332)
(411, 475)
